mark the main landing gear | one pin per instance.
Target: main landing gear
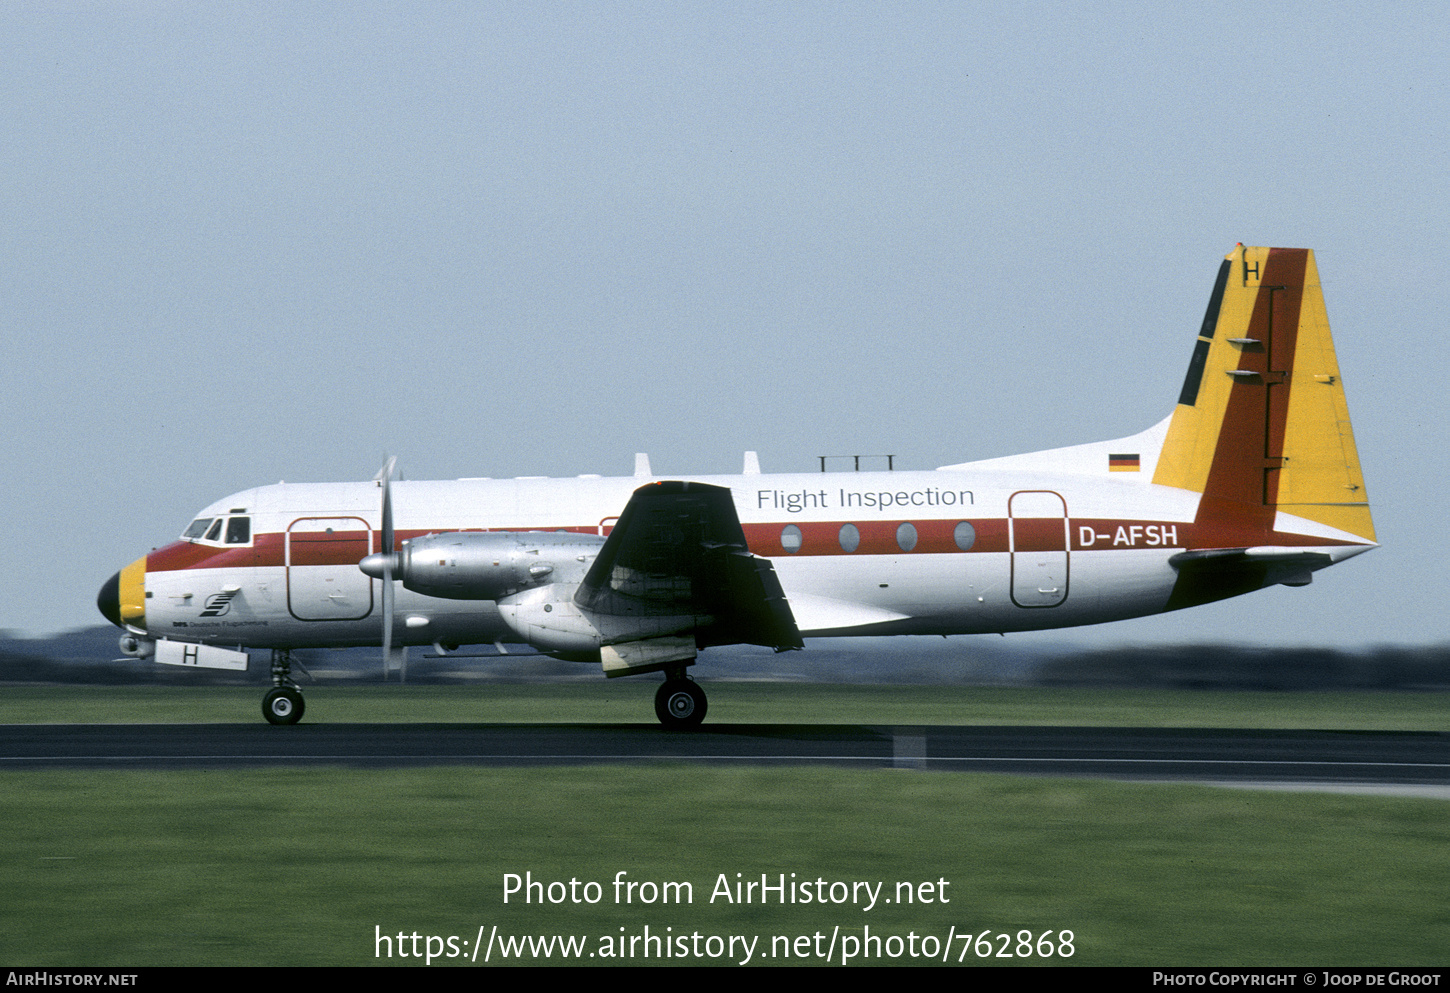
(680, 703)
(283, 704)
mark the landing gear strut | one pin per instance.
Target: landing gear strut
(283, 704)
(680, 703)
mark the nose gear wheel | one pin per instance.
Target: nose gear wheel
(283, 705)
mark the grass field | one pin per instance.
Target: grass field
(301, 866)
(308, 866)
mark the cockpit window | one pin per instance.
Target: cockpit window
(238, 530)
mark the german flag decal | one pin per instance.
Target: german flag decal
(1123, 463)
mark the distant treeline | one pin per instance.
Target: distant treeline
(1229, 667)
(91, 656)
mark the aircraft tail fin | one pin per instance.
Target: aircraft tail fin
(1261, 425)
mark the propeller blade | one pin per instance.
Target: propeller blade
(387, 480)
(388, 558)
(387, 616)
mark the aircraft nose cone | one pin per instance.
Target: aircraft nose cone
(109, 600)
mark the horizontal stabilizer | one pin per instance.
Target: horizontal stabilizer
(1209, 557)
(1219, 573)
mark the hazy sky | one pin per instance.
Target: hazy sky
(251, 242)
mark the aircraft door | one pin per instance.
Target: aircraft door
(323, 580)
(1037, 527)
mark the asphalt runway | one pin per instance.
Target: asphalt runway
(1330, 759)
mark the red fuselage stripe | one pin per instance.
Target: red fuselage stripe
(818, 538)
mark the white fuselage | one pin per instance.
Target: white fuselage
(942, 552)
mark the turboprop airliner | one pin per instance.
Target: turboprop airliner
(1252, 480)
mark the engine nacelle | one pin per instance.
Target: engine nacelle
(548, 618)
(479, 565)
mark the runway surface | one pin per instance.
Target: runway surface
(1325, 758)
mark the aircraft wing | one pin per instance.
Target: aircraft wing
(679, 550)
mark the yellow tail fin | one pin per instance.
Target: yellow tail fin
(1262, 425)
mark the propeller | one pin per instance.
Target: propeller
(381, 566)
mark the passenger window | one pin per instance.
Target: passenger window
(850, 538)
(965, 535)
(906, 536)
(790, 538)
(239, 530)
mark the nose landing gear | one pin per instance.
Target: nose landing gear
(283, 704)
